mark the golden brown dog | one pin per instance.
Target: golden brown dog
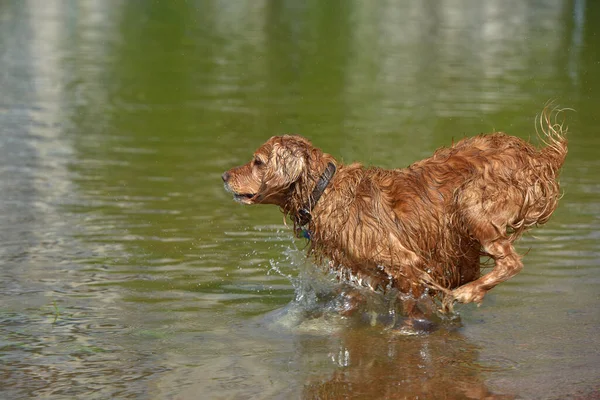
(419, 229)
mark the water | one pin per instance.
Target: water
(126, 271)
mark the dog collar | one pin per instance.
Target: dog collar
(304, 216)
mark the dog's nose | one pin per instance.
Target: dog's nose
(225, 176)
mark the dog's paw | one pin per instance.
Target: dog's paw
(469, 294)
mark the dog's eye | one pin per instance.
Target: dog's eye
(258, 162)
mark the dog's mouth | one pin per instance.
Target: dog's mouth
(244, 198)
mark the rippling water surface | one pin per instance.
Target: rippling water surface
(126, 271)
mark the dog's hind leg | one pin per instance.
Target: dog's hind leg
(487, 222)
(507, 264)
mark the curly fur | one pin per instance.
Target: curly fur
(420, 228)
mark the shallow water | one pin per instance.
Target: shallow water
(128, 272)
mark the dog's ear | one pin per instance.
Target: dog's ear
(286, 164)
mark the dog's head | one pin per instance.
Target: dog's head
(278, 167)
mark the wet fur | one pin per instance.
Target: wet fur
(421, 228)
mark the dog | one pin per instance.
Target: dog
(424, 229)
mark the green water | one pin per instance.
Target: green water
(126, 271)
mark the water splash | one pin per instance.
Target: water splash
(327, 302)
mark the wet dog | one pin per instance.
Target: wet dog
(421, 229)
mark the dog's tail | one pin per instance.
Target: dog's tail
(542, 190)
(553, 135)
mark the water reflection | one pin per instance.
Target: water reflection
(376, 366)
